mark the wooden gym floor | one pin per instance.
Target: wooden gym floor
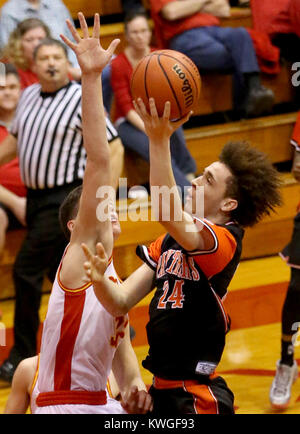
(254, 303)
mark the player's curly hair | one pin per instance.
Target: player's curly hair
(69, 209)
(254, 183)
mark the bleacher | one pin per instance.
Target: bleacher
(271, 134)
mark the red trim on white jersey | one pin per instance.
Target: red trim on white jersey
(73, 309)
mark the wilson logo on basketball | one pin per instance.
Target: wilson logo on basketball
(186, 86)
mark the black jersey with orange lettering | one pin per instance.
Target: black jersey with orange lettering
(188, 323)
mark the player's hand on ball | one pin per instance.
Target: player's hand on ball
(158, 128)
(167, 75)
(96, 265)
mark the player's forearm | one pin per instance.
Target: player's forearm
(133, 371)
(168, 210)
(119, 299)
(162, 182)
(182, 8)
(93, 119)
(126, 367)
(135, 398)
(117, 161)
(131, 382)
(110, 296)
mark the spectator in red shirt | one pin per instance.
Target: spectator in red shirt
(12, 190)
(130, 126)
(193, 27)
(280, 19)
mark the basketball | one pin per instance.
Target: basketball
(167, 75)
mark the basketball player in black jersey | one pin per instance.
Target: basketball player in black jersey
(190, 267)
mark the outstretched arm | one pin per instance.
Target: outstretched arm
(116, 299)
(92, 59)
(97, 192)
(168, 211)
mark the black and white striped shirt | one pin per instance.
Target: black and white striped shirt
(48, 128)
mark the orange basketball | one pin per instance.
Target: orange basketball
(167, 75)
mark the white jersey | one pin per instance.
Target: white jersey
(79, 341)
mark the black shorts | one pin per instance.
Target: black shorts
(193, 397)
(13, 222)
(291, 253)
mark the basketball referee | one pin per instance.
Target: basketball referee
(47, 136)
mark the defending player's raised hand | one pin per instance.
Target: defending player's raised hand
(91, 56)
(137, 402)
(158, 128)
(96, 265)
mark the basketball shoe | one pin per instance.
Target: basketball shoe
(280, 391)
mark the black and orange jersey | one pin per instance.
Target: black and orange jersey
(188, 323)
